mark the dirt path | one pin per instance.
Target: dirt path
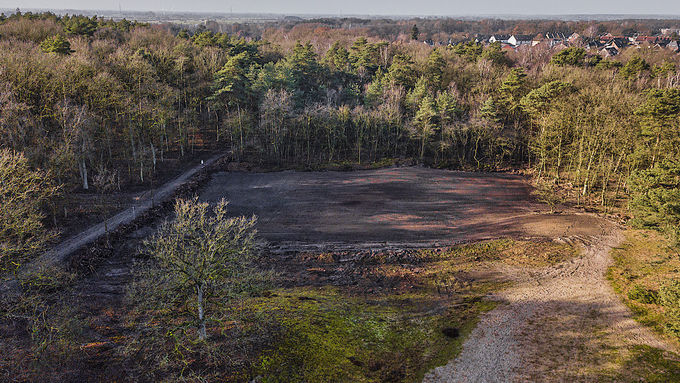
(59, 253)
(546, 326)
(146, 202)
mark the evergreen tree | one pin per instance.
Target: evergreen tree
(415, 96)
(570, 56)
(660, 118)
(56, 44)
(656, 197)
(470, 50)
(536, 101)
(365, 58)
(402, 72)
(434, 70)
(80, 25)
(489, 110)
(511, 91)
(634, 68)
(415, 32)
(495, 54)
(425, 122)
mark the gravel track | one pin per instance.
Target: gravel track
(508, 343)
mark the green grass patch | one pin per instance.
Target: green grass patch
(327, 336)
(646, 272)
(655, 365)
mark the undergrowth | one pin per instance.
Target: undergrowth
(646, 272)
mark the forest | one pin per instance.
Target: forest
(96, 104)
(93, 106)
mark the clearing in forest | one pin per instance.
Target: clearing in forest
(393, 206)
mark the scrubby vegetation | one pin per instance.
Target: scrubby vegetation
(23, 195)
(409, 313)
(646, 271)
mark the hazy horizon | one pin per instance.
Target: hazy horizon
(666, 8)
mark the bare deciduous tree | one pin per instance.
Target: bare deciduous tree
(203, 254)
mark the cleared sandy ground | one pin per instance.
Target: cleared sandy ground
(409, 206)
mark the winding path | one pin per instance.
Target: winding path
(513, 342)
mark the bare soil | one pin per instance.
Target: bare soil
(392, 207)
(561, 323)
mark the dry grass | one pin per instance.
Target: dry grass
(642, 266)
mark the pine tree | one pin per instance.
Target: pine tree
(425, 122)
(56, 44)
(414, 32)
(656, 197)
(634, 68)
(434, 70)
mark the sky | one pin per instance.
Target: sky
(370, 7)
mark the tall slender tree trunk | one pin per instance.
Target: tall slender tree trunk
(83, 174)
(201, 315)
(132, 145)
(153, 156)
(240, 126)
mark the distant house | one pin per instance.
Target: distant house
(643, 40)
(606, 37)
(559, 46)
(661, 43)
(429, 42)
(673, 46)
(553, 39)
(669, 31)
(482, 38)
(594, 45)
(574, 38)
(618, 43)
(609, 52)
(538, 39)
(500, 38)
(518, 40)
(556, 36)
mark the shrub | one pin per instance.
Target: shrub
(570, 56)
(23, 191)
(643, 295)
(669, 297)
